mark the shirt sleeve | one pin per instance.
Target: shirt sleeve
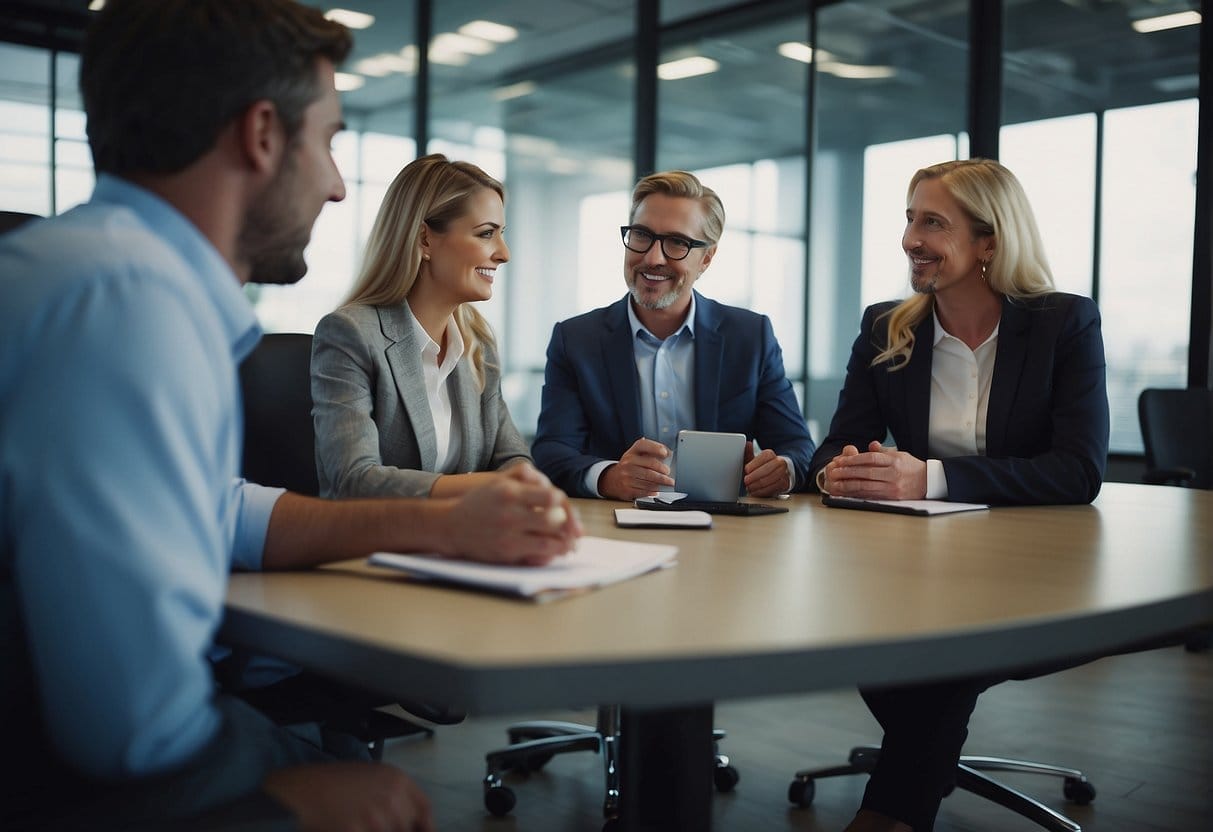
(254, 505)
(120, 556)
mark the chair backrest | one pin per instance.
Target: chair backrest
(1177, 431)
(10, 220)
(279, 439)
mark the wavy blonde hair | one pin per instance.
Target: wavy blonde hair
(430, 191)
(997, 207)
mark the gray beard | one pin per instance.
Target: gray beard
(662, 302)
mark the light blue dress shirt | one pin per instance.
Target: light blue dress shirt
(665, 369)
(120, 434)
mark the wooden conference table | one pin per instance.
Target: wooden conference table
(813, 599)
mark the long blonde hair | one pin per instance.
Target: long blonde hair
(429, 191)
(997, 207)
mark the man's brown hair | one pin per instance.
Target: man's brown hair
(161, 78)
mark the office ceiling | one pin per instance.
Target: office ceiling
(576, 59)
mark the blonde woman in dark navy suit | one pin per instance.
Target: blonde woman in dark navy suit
(405, 379)
(993, 387)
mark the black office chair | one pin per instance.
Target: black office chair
(279, 439)
(1075, 786)
(10, 220)
(1177, 433)
(533, 744)
(279, 450)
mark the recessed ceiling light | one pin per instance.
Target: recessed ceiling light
(856, 71)
(385, 63)
(797, 51)
(350, 18)
(346, 81)
(468, 45)
(1166, 21)
(488, 30)
(686, 68)
(96, 5)
(514, 90)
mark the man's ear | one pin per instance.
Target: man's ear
(708, 254)
(261, 136)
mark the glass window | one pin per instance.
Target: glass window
(1066, 66)
(890, 98)
(517, 95)
(73, 160)
(24, 129)
(1149, 204)
(377, 83)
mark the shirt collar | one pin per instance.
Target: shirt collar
(217, 279)
(688, 325)
(941, 333)
(454, 341)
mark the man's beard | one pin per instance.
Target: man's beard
(270, 241)
(660, 302)
(926, 286)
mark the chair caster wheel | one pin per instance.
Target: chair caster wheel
(802, 792)
(1080, 792)
(725, 778)
(499, 800)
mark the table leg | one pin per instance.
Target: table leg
(666, 761)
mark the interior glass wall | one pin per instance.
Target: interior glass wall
(25, 123)
(557, 128)
(1099, 100)
(732, 103)
(889, 98)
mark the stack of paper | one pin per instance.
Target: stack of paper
(596, 562)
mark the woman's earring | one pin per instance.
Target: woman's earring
(984, 265)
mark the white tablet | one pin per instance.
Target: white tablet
(708, 465)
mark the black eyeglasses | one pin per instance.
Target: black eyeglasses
(639, 239)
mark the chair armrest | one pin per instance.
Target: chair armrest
(1164, 476)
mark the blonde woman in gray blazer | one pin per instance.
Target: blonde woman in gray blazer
(405, 379)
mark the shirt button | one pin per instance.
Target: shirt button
(972, 396)
(664, 394)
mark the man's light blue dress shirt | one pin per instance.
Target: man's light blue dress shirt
(120, 430)
(665, 370)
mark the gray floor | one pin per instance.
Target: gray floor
(1140, 726)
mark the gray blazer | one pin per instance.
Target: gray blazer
(374, 430)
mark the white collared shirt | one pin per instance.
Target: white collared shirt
(960, 398)
(448, 426)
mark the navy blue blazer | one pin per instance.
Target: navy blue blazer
(591, 395)
(1047, 421)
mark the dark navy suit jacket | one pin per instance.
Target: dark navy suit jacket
(591, 395)
(1047, 420)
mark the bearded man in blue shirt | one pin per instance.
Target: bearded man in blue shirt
(123, 322)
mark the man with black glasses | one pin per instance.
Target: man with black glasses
(621, 381)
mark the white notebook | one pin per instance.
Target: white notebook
(596, 562)
(639, 518)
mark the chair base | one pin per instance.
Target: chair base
(1075, 786)
(534, 744)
